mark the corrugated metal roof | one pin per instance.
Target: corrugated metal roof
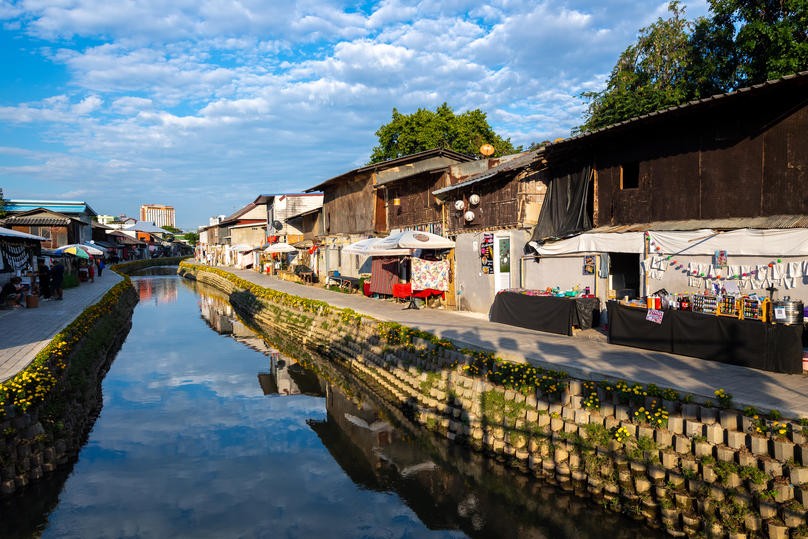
(732, 223)
(513, 164)
(690, 104)
(58, 206)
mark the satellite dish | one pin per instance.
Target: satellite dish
(486, 149)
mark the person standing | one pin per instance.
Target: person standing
(91, 271)
(57, 276)
(100, 267)
(44, 280)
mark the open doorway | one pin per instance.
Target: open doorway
(624, 274)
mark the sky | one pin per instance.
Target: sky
(205, 104)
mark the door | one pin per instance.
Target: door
(451, 294)
(502, 263)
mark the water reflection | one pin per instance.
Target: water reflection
(189, 445)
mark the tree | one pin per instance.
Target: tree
(192, 238)
(752, 41)
(171, 229)
(650, 75)
(426, 130)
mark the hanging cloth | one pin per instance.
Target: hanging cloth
(430, 275)
(383, 275)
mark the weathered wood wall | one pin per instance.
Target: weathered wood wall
(418, 206)
(348, 206)
(748, 158)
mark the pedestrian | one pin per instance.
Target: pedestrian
(100, 267)
(44, 280)
(57, 276)
(91, 271)
(15, 289)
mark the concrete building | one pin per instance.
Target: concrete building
(158, 214)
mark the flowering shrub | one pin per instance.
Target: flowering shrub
(621, 434)
(34, 383)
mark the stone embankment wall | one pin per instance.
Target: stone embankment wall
(702, 471)
(49, 408)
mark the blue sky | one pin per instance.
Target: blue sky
(204, 104)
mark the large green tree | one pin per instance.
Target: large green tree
(422, 130)
(743, 42)
(650, 75)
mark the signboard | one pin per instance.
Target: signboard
(589, 265)
(654, 316)
(487, 254)
(720, 259)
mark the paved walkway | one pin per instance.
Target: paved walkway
(24, 332)
(582, 358)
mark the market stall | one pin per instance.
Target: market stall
(542, 311)
(727, 339)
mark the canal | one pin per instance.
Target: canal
(207, 430)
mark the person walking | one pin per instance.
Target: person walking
(44, 276)
(100, 267)
(57, 276)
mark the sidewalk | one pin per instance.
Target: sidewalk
(582, 358)
(27, 331)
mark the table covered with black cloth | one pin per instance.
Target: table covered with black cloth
(545, 313)
(747, 343)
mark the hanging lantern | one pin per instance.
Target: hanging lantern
(396, 201)
(469, 215)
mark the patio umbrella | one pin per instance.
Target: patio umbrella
(280, 248)
(363, 248)
(92, 245)
(240, 247)
(413, 239)
(73, 250)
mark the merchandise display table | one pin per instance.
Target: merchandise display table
(747, 343)
(545, 313)
(403, 291)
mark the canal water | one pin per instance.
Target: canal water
(208, 431)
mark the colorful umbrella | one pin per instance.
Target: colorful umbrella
(75, 251)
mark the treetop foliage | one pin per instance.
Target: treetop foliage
(744, 42)
(407, 134)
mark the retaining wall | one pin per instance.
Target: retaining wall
(707, 471)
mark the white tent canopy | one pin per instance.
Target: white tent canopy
(628, 242)
(413, 239)
(147, 227)
(16, 234)
(741, 242)
(363, 248)
(280, 248)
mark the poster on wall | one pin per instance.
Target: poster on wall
(720, 259)
(589, 265)
(487, 254)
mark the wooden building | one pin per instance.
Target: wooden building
(737, 155)
(57, 229)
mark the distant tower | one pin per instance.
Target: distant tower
(159, 214)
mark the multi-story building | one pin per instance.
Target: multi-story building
(158, 214)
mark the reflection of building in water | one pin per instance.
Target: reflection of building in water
(158, 291)
(288, 378)
(285, 377)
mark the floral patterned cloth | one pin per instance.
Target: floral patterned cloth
(434, 275)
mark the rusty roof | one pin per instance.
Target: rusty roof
(731, 223)
(801, 77)
(514, 164)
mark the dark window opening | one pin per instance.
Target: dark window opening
(630, 175)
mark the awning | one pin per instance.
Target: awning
(22, 235)
(629, 242)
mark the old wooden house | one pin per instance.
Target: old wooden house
(58, 229)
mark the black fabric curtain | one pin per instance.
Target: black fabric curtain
(563, 213)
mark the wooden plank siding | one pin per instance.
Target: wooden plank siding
(739, 158)
(348, 206)
(418, 206)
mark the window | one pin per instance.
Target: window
(43, 231)
(630, 175)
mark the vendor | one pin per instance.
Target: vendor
(15, 289)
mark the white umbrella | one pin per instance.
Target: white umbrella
(363, 248)
(92, 245)
(280, 248)
(413, 239)
(240, 247)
